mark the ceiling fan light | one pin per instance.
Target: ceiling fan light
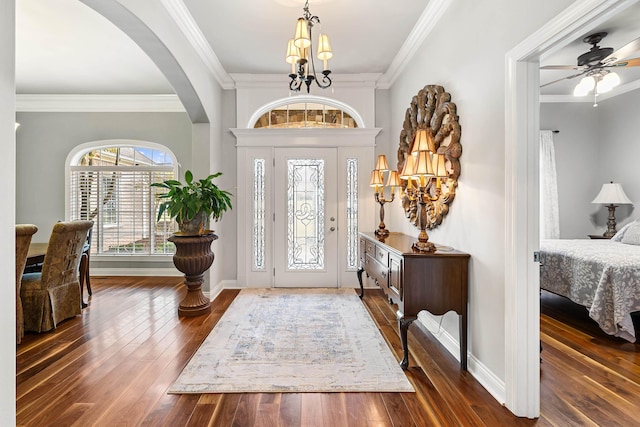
(612, 79)
(301, 38)
(588, 83)
(292, 52)
(580, 91)
(603, 87)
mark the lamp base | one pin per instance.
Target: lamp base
(424, 246)
(611, 222)
(381, 232)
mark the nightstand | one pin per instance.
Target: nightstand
(598, 236)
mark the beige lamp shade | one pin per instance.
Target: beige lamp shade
(612, 194)
(301, 38)
(409, 169)
(292, 52)
(324, 48)
(420, 143)
(381, 163)
(376, 179)
(393, 180)
(424, 165)
(439, 169)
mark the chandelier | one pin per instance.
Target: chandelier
(300, 54)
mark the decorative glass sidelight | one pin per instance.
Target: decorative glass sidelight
(352, 213)
(305, 214)
(258, 215)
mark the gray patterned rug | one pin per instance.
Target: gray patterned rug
(293, 340)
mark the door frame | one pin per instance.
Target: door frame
(522, 123)
(357, 143)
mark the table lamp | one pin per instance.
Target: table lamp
(611, 195)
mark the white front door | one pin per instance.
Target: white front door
(305, 220)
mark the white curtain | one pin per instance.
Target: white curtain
(549, 210)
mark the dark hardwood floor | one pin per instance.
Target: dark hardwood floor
(112, 366)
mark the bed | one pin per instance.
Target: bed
(602, 275)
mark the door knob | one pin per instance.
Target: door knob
(332, 229)
(332, 219)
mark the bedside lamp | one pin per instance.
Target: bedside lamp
(611, 195)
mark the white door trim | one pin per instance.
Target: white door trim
(522, 303)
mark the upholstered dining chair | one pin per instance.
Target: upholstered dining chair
(24, 232)
(53, 295)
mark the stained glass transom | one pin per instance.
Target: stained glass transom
(352, 213)
(258, 215)
(305, 214)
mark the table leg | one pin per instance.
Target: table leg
(359, 273)
(463, 341)
(403, 326)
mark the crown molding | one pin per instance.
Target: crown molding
(99, 103)
(427, 21)
(180, 14)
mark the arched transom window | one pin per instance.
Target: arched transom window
(306, 115)
(111, 185)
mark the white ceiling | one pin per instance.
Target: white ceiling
(65, 47)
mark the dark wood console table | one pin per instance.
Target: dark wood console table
(415, 281)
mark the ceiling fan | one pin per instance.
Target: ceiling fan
(597, 62)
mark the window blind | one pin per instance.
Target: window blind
(123, 206)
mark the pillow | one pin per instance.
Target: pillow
(632, 235)
(618, 236)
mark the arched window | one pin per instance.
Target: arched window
(306, 112)
(110, 183)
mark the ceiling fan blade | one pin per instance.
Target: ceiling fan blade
(560, 67)
(624, 52)
(635, 62)
(565, 78)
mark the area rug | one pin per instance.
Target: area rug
(293, 340)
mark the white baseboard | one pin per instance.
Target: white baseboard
(487, 379)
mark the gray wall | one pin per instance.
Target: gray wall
(45, 139)
(594, 146)
(619, 144)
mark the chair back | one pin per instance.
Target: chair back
(24, 232)
(63, 252)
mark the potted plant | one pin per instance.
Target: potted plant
(193, 203)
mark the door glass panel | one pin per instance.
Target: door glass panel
(352, 213)
(258, 215)
(305, 214)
